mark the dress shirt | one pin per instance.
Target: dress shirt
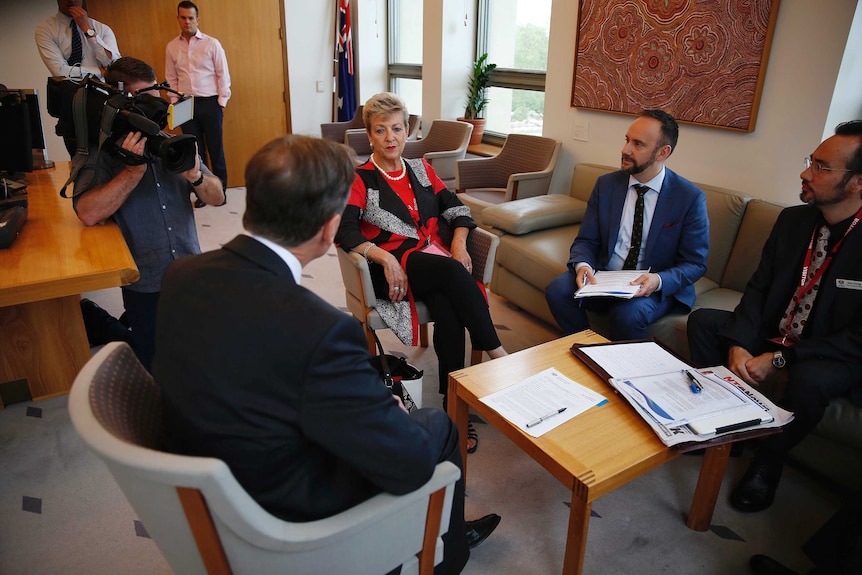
(282, 252)
(621, 248)
(54, 41)
(197, 67)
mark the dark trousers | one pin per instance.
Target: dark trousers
(141, 313)
(455, 302)
(837, 546)
(206, 126)
(444, 434)
(811, 384)
(629, 318)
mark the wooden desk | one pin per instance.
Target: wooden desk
(42, 275)
(593, 453)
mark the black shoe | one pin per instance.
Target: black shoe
(478, 530)
(764, 565)
(756, 491)
(102, 327)
(199, 203)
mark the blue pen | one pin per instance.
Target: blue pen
(695, 385)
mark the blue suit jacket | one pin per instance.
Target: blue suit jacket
(678, 239)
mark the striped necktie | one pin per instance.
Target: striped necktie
(77, 49)
(637, 230)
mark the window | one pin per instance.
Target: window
(405, 51)
(519, 47)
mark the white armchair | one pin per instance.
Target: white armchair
(203, 521)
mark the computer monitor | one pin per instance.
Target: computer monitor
(16, 135)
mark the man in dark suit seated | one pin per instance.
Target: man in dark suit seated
(799, 322)
(642, 217)
(265, 375)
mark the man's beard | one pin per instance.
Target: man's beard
(637, 168)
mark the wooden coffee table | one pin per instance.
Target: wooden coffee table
(593, 453)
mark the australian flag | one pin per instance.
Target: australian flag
(346, 83)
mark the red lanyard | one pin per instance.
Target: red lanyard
(806, 286)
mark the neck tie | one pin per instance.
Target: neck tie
(637, 230)
(796, 315)
(77, 50)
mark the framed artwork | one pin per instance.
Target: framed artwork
(702, 61)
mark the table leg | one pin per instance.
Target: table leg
(459, 411)
(579, 523)
(708, 486)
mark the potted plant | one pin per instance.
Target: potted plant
(476, 100)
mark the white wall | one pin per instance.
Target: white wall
(847, 99)
(310, 55)
(807, 50)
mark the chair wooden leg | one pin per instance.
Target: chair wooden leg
(432, 528)
(423, 335)
(204, 531)
(369, 339)
(476, 357)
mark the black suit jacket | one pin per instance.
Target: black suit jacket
(834, 328)
(263, 374)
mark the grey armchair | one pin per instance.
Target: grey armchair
(522, 169)
(444, 144)
(203, 521)
(335, 130)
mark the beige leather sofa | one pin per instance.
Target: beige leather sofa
(535, 237)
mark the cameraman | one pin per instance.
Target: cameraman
(150, 205)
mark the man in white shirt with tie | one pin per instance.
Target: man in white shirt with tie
(196, 65)
(73, 45)
(642, 217)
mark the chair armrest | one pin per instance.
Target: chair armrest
(482, 247)
(528, 184)
(521, 217)
(444, 162)
(356, 277)
(237, 511)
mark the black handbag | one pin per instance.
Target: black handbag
(393, 370)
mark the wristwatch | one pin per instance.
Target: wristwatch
(90, 33)
(778, 360)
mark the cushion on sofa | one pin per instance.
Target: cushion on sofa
(757, 222)
(725, 209)
(584, 179)
(538, 213)
(538, 257)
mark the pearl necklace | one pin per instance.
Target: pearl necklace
(386, 175)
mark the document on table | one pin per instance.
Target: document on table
(661, 388)
(543, 401)
(612, 284)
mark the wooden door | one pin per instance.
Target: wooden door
(256, 49)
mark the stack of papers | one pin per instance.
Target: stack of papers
(543, 401)
(661, 388)
(612, 284)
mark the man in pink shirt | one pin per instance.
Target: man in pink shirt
(196, 65)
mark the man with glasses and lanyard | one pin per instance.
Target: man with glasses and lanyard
(799, 323)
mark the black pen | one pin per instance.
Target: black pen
(536, 422)
(695, 386)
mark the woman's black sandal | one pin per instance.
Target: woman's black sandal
(472, 434)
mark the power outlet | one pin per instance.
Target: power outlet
(581, 131)
(319, 85)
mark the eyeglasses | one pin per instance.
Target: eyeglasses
(817, 167)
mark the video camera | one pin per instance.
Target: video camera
(109, 113)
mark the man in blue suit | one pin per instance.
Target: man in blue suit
(643, 217)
